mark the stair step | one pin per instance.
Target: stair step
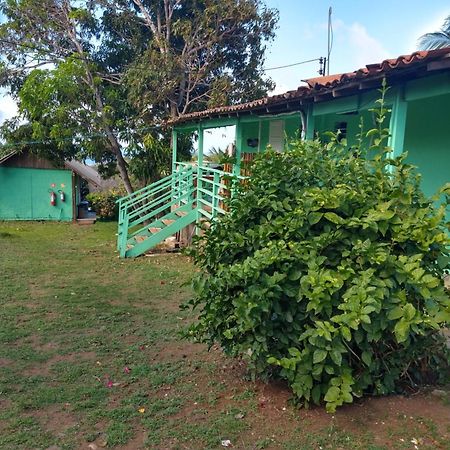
(129, 246)
(154, 230)
(167, 221)
(180, 213)
(140, 238)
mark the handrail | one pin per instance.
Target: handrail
(139, 191)
(201, 189)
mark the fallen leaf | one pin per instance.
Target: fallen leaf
(141, 410)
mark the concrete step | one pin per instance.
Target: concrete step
(167, 222)
(87, 221)
(154, 230)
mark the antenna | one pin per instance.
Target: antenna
(330, 40)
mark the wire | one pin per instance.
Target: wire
(68, 139)
(291, 65)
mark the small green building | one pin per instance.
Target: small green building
(32, 188)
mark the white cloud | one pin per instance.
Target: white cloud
(364, 48)
(354, 48)
(8, 107)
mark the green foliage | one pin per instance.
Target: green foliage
(327, 272)
(104, 203)
(96, 79)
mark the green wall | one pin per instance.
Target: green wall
(252, 130)
(427, 140)
(24, 194)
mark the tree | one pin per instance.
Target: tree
(102, 75)
(63, 89)
(438, 39)
(202, 53)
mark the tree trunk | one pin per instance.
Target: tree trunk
(122, 167)
(113, 141)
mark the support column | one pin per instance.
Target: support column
(310, 124)
(397, 125)
(174, 149)
(259, 135)
(238, 138)
(200, 145)
(199, 172)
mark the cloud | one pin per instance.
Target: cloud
(8, 107)
(365, 48)
(354, 47)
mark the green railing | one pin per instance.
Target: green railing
(141, 207)
(197, 190)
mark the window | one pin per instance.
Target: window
(341, 127)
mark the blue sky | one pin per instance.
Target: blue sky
(364, 32)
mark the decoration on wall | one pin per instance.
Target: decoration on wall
(253, 142)
(62, 196)
(52, 198)
(63, 185)
(53, 185)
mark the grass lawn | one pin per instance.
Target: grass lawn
(90, 357)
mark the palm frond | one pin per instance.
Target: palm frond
(438, 39)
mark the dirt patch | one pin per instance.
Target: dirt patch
(389, 421)
(5, 363)
(385, 417)
(44, 369)
(175, 351)
(54, 419)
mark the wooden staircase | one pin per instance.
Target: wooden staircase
(192, 194)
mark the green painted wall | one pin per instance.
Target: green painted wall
(427, 140)
(24, 194)
(251, 130)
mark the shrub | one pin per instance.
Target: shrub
(327, 272)
(104, 203)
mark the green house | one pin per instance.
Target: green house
(419, 121)
(33, 188)
(419, 97)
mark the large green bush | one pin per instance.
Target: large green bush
(327, 272)
(104, 203)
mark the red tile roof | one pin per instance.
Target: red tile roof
(318, 87)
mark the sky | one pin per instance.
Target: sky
(365, 31)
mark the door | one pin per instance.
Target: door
(276, 135)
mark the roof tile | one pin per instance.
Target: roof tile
(319, 85)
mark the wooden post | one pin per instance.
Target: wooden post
(310, 124)
(238, 134)
(259, 135)
(174, 149)
(174, 161)
(199, 172)
(397, 125)
(200, 145)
